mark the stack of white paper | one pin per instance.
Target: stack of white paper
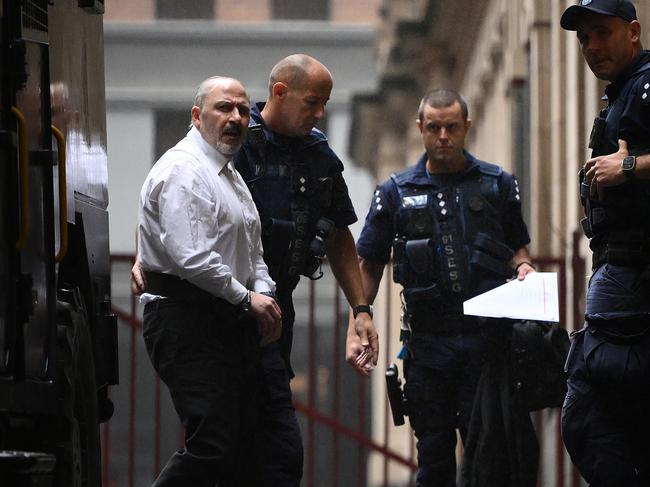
(534, 298)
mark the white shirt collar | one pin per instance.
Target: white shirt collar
(210, 152)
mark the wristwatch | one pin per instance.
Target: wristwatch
(628, 166)
(245, 305)
(362, 308)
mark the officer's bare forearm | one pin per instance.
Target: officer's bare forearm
(520, 256)
(371, 274)
(342, 255)
(642, 170)
(522, 263)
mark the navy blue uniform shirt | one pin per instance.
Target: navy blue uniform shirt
(375, 242)
(633, 123)
(617, 291)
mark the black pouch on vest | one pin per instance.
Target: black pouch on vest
(415, 296)
(493, 247)
(598, 129)
(490, 264)
(419, 254)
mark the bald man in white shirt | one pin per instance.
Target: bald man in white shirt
(209, 298)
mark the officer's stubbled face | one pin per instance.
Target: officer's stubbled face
(303, 106)
(443, 133)
(609, 44)
(223, 118)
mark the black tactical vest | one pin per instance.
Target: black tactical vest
(449, 242)
(291, 195)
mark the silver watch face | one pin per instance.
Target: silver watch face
(628, 163)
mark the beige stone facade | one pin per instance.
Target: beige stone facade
(531, 97)
(532, 100)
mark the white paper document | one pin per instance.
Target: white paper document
(534, 298)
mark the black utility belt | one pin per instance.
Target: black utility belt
(626, 254)
(441, 324)
(174, 287)
(622, 331)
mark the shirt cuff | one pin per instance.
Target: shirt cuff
(236, 293)
(262, 286)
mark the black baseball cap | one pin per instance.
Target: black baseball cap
(615, 8)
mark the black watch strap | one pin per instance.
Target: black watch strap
(629, 166)
(362, 308)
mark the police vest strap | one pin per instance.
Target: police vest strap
(452, 248)
(643, 68)
(490, 169)
(401, 178)
(258, 141)
(298, 251)
(277, 237)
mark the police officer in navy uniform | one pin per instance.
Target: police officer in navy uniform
(605, 417)
(454, 226)
(297, 184)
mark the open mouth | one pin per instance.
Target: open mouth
(232, 131)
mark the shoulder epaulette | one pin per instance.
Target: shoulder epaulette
(490, 169)
(643, 68)
(402, 176)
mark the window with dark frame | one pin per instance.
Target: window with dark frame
(176, 10)
(170, 127)
(300, 9)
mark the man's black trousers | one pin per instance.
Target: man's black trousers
(209, 360)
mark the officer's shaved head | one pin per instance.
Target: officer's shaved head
(442, 98)
(295, 71)
(299, 88)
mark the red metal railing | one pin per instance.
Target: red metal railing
(123, 457)
(309, 410)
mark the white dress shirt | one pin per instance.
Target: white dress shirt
(197, 221)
